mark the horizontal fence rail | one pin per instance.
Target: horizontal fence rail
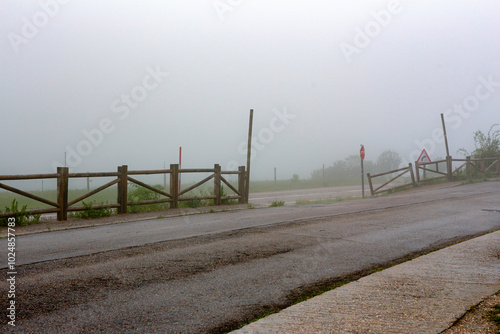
(122, 177)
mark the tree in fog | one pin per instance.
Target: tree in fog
(388, 160)
(347, 168)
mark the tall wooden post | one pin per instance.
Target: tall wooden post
(62, 193)
(217, 189)
(174, 189)
(164, 178)
(370, 183)
(449, 169)
(241, 184)
(498, 165)
(412, 175)
(122, 188)
(417, 171)
(467, 167)
(249, 155)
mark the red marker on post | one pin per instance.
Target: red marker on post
(362, 156)
(180, 164)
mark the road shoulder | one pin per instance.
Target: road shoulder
(424, 295)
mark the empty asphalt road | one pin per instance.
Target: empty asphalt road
(208, 273)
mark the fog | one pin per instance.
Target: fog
(129, 82)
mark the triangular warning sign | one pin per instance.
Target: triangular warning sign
(424, 157)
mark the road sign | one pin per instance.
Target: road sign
(424, 157)
(362, 152)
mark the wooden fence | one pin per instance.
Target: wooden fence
(424, 167)
(62, 205)
(479, 165)
(402, 171)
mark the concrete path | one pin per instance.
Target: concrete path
(425, 295)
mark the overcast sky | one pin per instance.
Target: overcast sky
(128, 82)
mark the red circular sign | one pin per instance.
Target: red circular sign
(362, 152)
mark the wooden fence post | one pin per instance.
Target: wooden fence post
(241, 184)
(122, 189)
(498, 165)
(412, 175)
(62, 193)
(370, 183)
(174, 185)
(417, 171)
(482, 165)
(467, 167)
(449, 168)
(217, 189)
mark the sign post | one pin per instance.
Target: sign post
(362, 155)
(423, 158)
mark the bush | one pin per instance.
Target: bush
(137, 194)
(23, 217)
(91, 213)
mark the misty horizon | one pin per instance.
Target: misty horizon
(128, 83)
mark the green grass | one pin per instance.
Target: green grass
(430, 181)
(495, 315)
(276, 204)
